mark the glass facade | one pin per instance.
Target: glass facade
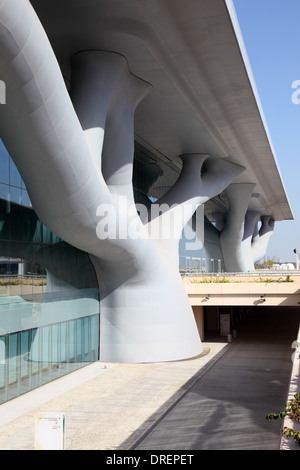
(30, 358)
(49, 300)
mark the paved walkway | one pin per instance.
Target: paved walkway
(107, 406)
(216, 401)
(226, 408)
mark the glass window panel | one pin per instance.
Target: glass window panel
(4, 192)
(72, 337)
(25, 344)
(5, 215)
(26, 384)
(87, 338)
(3, 368)
(95, 337)
(3, 361)
(15, 194)
(14, 175)
(25, 198)
(34, 352)
(2, 350)
(37, 230)
(46, 350)
(24, 270)
(64, 342)
(28, 221)
(55, 344)
(13, 357)
(79, 339)
(15, 221)
(4, 164)
(55, 239)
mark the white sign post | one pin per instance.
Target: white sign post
(50, 431)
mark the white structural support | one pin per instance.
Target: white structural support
(234, 245)
(76, 161)
(261, 237)
(243, 242)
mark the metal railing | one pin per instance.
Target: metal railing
(192, 266)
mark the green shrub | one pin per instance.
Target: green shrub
(292, 410)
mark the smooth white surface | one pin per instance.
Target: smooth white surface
(242, 242)
(70, 172)
(204, 97)
(76, 156)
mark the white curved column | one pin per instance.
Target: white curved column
(42, 132)
(73, 165)
(148, 314)
(236, 259)
(201, 178)
(262, 238)
(220, 219)
(242, 244)
(105, 95)
(251, 221)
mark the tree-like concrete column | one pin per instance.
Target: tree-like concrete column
(262, 236)
(251, 223)
(76, 159)
(105, 95)
(232, 237)
(242, 242)
(145, 312)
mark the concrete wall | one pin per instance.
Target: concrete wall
(199, 317)
(244, 290)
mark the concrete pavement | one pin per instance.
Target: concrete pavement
(107, 406)
(226, 408)
(216, 401)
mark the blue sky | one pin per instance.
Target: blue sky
(271, 33)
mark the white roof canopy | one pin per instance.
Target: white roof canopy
(203, 99)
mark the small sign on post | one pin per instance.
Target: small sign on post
(50, 430)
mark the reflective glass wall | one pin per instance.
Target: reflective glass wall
(49, 301)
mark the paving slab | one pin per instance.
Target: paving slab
(218, 400)
(107, 406)
(226, 408)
